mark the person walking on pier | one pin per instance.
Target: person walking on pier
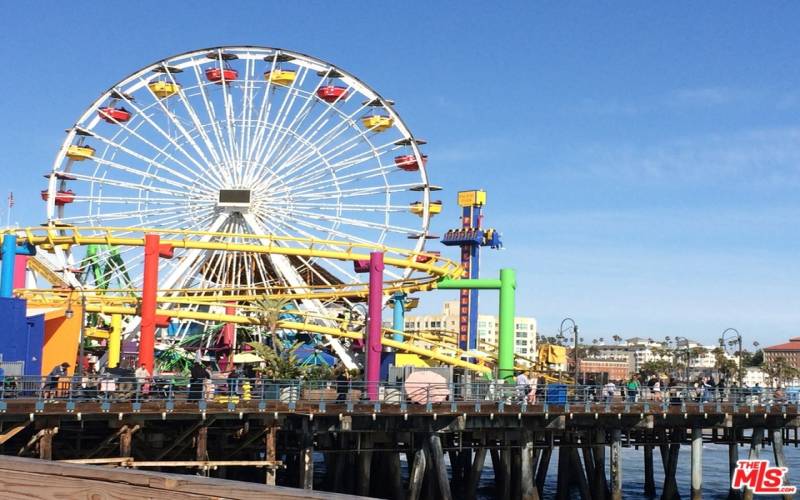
(197, 376)
(523, 386)
(633, 387)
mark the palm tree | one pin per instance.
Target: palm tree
(269, 315)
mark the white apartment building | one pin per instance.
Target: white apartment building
(488, 328)
(639, 351)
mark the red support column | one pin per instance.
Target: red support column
(147, 338)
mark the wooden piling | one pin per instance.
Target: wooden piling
(600, 485)
(541, 471)
(271, 451)
(46, 444)
(475, 473)
(649, 479)
(201, 448)
(306, 480)
(125, 441)
(780, 458)
(733, 457)
(417, 475)
(616, 464)
(697, 463)
(577, 474)
(364, 465)
(527, 464)
(756, 441)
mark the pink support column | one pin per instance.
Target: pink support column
(227, 341)
(20, 268)
(375, 306)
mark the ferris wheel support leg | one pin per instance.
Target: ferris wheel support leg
(375, 305)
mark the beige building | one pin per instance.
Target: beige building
(488, 328)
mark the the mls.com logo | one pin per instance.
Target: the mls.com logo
(760, 477)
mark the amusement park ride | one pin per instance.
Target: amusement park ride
(207, 184)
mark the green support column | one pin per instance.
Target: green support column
(505, 358)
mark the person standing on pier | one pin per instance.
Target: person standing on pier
(197, 376)
(142, 382)
(633, 387)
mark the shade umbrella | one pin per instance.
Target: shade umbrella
(424, 386)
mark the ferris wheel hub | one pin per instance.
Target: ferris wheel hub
(234, 200)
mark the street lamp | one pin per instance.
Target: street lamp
(732, 336)
(575, 344)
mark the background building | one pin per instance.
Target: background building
(488, 328)
(790, 351)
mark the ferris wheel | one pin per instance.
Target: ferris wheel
(245, 140)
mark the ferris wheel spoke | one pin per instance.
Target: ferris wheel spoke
(142, 174)
(304, 138)
(279, 126)
(346, 122)
(312, 184)
(161, 131)
(150, 161)
(314, 166)
(210, 165)
(353, 222)
(214, 122)
(102, 181)
(263, 115)
(130, 200)
(313, 194)
(290, 130)
(194, 117)
(135, 133)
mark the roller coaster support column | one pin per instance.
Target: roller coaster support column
(10, 250)
(153, 249)
(399, 316)
(507, 284)
(114, 340)
(375, 305)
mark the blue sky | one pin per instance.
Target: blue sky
(641, 160)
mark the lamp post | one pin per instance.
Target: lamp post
(575, 343)
(729, 337)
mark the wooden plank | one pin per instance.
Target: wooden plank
(13, 432)
(25, 479)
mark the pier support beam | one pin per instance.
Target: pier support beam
(475, 473)
(417, 475)
(541, 471)
(202, 443)
(271, 452)
(307, 460)
(649, 479)
(755, 445)
(46, 443)
(440, 468)
(125, 441)
(733, 457)
(780, 459)
(527, 464)
(697, 463)
(616, 464)
(364, 465)
(600, 485)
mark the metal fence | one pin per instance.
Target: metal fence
(107, 389)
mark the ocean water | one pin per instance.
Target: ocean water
(715, 472)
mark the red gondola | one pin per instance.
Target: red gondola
(114, 115)
(330, 93)
(216, 75)
(62, 197)
(409, 162)
(427, 256)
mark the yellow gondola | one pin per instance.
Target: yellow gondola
(377, 123)
(163, 89)
(435, 207)
(282, 77)
(79, 153)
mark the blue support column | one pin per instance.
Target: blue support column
(399, 315)
(9, 250)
